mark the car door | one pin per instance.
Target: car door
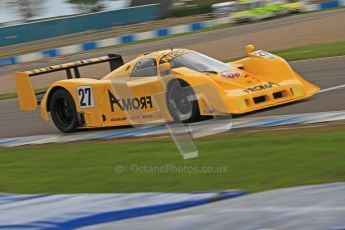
(145, 85)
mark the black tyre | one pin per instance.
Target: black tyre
(63, 111)
(182, 104)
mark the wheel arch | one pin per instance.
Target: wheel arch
(73, 121)
(50, 93)
(181, 81)
(200, 89)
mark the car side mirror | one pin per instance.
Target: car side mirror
(250, 48)
(164, 69)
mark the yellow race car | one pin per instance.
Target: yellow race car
(171, 85)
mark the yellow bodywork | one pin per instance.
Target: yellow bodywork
(25, 92)
(264, 80)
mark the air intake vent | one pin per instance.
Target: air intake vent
(260, 99)
(278, 95)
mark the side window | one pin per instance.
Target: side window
(146, 67)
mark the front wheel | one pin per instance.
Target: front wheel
(182, 103)
(63, 111)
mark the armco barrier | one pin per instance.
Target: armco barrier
(34, 31)
(140, 36)
(200, 128)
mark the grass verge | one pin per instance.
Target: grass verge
(14, 95)
(7, 96)
(312, 51)
(249, 161)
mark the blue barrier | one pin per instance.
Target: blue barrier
(8, 61)
(89, 46)
(64, 26)
(127, 39)
(163, 32)
(197, 26)
(327, 5)
(50, 53)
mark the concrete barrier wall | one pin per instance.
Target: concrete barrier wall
(34, 31)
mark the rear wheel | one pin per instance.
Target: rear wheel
(182, 103)
(63, 111)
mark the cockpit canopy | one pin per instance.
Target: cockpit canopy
(195, 61)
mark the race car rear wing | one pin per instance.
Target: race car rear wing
(28, 99)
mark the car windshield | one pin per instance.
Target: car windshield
(198, 62)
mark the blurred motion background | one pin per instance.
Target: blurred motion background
(19, 11)
(20, 19)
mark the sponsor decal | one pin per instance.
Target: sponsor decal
(66, 65)
(126, 104)
(85, 97)
(263, 54)
(145, 116)
(267, 85)
(231, 74)
(118, 119)
(173, 54)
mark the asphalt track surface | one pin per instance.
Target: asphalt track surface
(325, 72)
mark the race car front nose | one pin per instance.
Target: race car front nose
(249, 101)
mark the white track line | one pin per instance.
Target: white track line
(315, 59)
(332, 88)
(279, 129)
